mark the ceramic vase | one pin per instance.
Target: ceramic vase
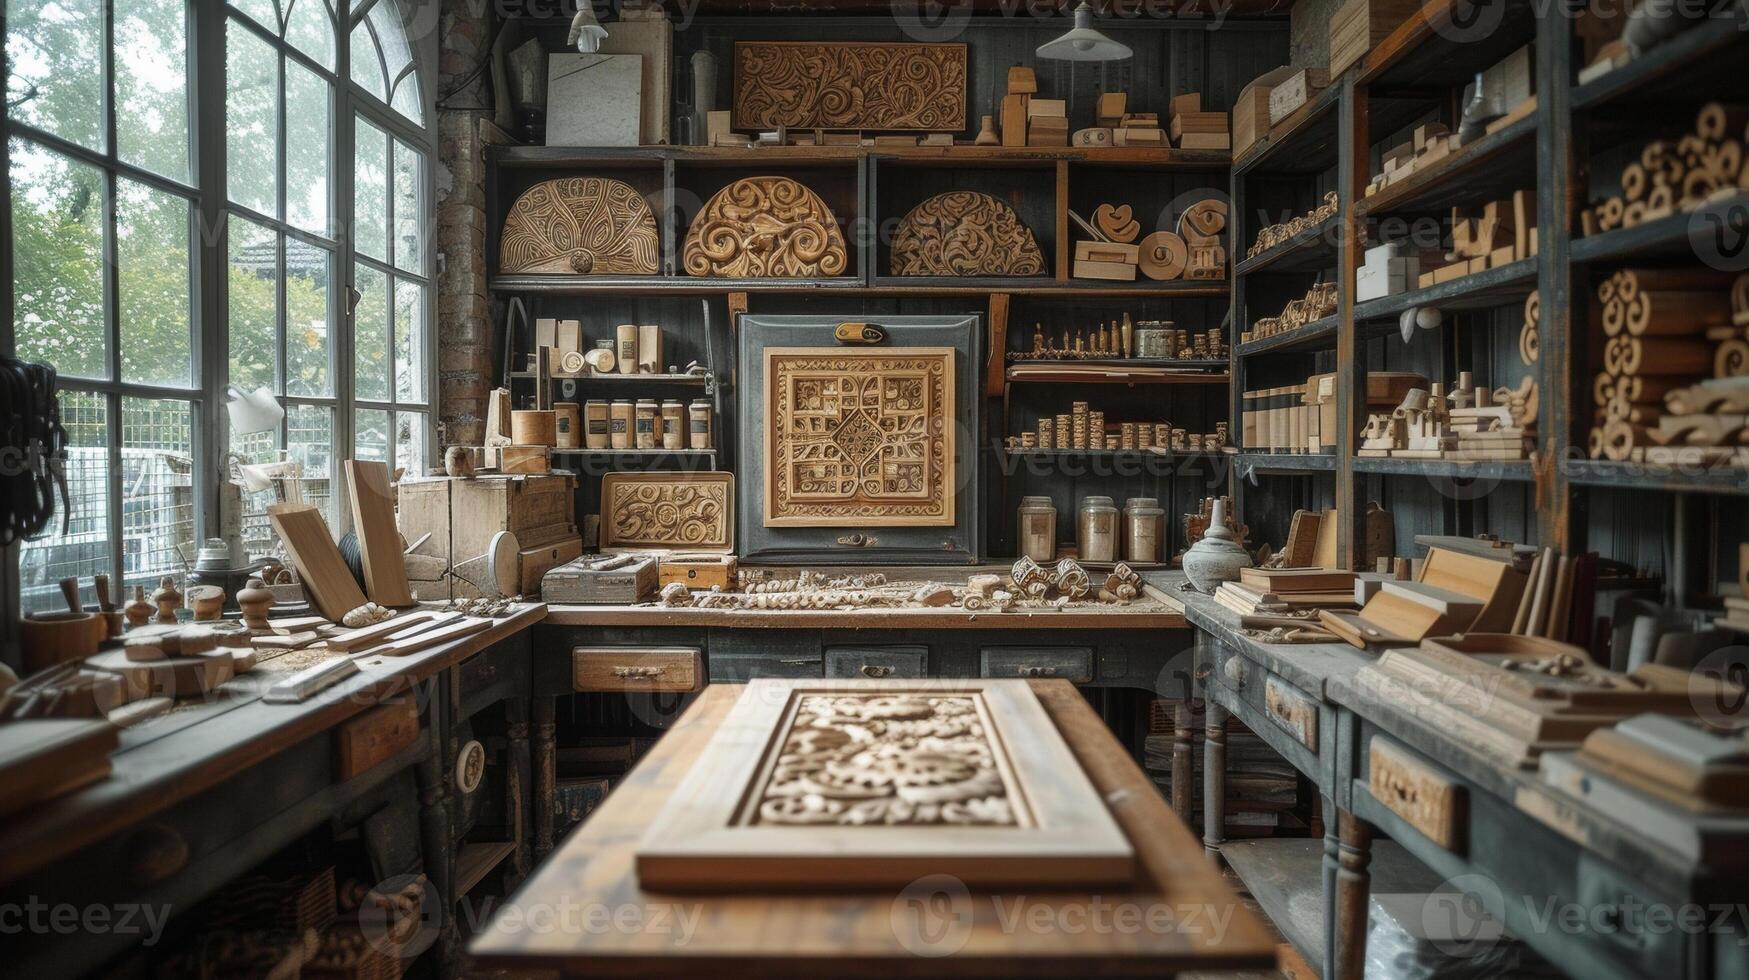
(1216, 557)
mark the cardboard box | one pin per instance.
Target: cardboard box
(1287, 96)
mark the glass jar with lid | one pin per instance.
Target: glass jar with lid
(1037, 537)
(1144, 526)
(1096, 529)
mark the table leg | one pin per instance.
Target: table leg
(1353, 885)
(545, 791)
(1214, 780)
(1183, 760)
(517, 760)
(431, 776)
(1327, 894)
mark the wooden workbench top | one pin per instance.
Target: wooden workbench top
(1180, 915)
(1146, 613)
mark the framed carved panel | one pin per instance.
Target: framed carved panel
(765, 227)
(964, 233)
(851, 784)
(859, 438)
(588, 225)
(861, 85)
(678, 511)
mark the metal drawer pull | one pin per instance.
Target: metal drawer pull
(876, 670)
(858, 541)
(642, 672)
(1037, 671)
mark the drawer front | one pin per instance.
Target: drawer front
(489, 666)
(877, 662)
(368, 739)
(1417, 792)
(677, 669)
(733, 668)
(1286, 716)
(1292, 710)
(1069, 663)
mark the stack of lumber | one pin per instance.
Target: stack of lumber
(1318, 303)
(1675, 353)
(1672, 176)
(1359, 25)
(1195, 129)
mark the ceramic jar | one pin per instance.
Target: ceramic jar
(1037, 538)
(1144, 524)
(1216, 557)
(1096, 530)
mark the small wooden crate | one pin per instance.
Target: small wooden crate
(699, 571)
(1359, 25)
(578, 581)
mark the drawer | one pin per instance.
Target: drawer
(736, 667)
(363, 742)
(1417, 792)
(1293, 710)
(677, 669)
(1289, 718)
(877, 661)
(488, 667)
(1069, 663)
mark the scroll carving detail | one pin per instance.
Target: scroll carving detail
(850, 85)
(964, 233)
(765, 227)
(588, 225)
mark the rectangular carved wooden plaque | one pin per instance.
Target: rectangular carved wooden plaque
(862, 85)
(859, 438)
(844, 784)
(678, 511)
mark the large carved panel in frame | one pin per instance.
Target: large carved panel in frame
(588, 225)
(964, 233)
(765, 227)
(859, 438)
(861, 85)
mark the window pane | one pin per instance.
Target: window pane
(84, 549)
(308, 271)
(306, 149)
(410, 442)
(55, 52)
(253, 285)
(259, 540)
(371, 435)
(157, 507)
(407, 101)
(57, 255)
(251, 120)
(370, 190)
(370, 336)
(151, 247)
(367, 67)
(151, 85)
(311, 31)
(310, 441)
(391, 37)
(409, 233)
(263, 12)
(409, 341)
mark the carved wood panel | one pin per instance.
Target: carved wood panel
(684, 511)
(886, 759)
(964, 233)
(765, 227)
(589, 225)
(859, 437)
(850, 85)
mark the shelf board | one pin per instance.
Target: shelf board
(1498, 286)
(1729, 480)
(1488, 169)
(1172, 362)
(1043, 157)
(1162, 455)
(1036, 372)
(1046, 286)
(1307, 251)
(636, 453)
(1711, 51)
(1513, 470)
(667, 379)
(1310, 335)
(1445, 42)
(552, 284)
(1310, 132)
(1677, 239)
(473, 862)
(1261, 462)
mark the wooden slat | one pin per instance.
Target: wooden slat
(379, 542)
(326, 579)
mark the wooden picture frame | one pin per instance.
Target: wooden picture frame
(850, 85)
(715, 833)
(859, 438)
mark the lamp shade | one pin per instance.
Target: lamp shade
(1083, 43)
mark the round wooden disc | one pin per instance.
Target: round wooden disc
(1162, 255)
(501, 554)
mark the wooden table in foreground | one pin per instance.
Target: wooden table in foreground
(583, 912)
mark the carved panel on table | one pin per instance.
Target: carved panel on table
(765, 227)
(681, 511)
(859, 438)
(850, 85)
(964, 233)
(588, 225)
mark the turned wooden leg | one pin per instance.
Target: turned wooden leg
(1214, 780)
(517, 764)
(1327, 895)
(545, 791)
(1353, 884)
(1183, 760)
(431, 775)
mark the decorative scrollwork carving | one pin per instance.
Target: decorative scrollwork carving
(965, 233)
(667, 510)
(588, 225)
(850, 85)
(765, 227)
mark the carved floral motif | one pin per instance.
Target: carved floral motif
(590, 225)
(850, 85)
(765, 227)
(964, 233)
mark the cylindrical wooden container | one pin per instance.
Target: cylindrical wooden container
(626, 348)
(650, 348)
(673, 425)
(568, 425)
(620, 424)
(532, 428)
(595, 433)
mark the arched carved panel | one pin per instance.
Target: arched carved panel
(765, 227)
(588, 225)
(965, 233)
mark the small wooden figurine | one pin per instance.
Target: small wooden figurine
(167, 599)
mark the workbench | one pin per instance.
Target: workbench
(1522, 849)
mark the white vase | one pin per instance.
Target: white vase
(1215, 557)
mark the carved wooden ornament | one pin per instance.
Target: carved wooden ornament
(588, 225)
(850, 85)
(680, 511)
(835, 784)
(964, 233)
(859, 438)
(765, 227)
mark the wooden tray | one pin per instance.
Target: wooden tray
(1002, 803)
(668, 511)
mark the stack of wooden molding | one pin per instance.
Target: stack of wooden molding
(1319, 302)
(1680, 175)
(1675, 353)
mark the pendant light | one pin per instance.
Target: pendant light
(586, 30)
(1083, 43)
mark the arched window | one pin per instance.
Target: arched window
(172, 239)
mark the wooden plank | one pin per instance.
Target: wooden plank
(1062, 242)
(997, 354)
(326, 579)
(379, 542)
(366, 636)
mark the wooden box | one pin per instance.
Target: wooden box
(1301, 87)
(699, 571)
(1359, 25)
(462, 515)
(582, 582)
(1006, 803)
(675, 670)
(1251, 110)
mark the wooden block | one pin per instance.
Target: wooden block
(1014, 120)
(1415, 791)
(1426, 279)
(1188, 102)
(365, 741)
(1105, 252)
(323, 573)
(525, 459)
(1116, 271)
(546, 332)
(1138, 137)
(1288, 95)
(719, 124)
(1022, 80)
(373, 519)
(619, 669)
(1523, 223)
(1198, 122)
(1205, 141)
(1359, 25)
(1051, 108)
(699, 571)
(1505, 255)
(1110, 109)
